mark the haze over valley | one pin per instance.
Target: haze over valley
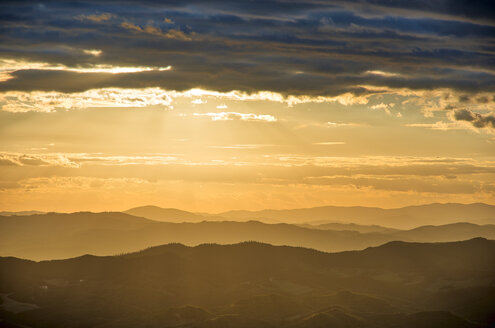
(60, 235)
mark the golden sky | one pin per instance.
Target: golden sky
(211, 109)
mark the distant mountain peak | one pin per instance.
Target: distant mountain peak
(157, 213)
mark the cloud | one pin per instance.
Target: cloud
(476, 119)
(246, 146)
(438, 185)
(451, 9)
(231, 116)
(96, 18)
(46, 101)
(169, 34)
(7, 162)
(381, 73)
(31, 160)
(403, 174)
(6, 185)
(23, 160)
(382, 106)
(10, 68)
(329, 143)
(348, 124)
(440, 125)
(198, 102)
(113, 97)
(290, 169)
(256, 58)
(92, 52)
(131, 26)
(257, 47)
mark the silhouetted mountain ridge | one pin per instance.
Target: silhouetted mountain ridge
(55, 235)
(250, 284)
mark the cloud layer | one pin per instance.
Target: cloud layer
(293, 48)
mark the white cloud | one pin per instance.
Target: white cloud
(9, 66)
(337, 125)
(443, 126)
(329, 143)
(346, 99)
(382, 106)
(382, 73)
(96, 18)
(55, 159)
(93, 52)
(14, 101)
(129, 97)
(230, 116)
(246, 146)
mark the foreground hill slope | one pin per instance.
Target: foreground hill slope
(258, 285)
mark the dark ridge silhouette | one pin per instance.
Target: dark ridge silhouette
(54, 235)
(253, 284)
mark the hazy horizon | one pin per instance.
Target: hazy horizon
(230, 209)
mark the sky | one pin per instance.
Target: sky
(217, 105)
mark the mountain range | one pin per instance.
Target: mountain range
(252, 284)
(400, 218)
(57, 235)
(419, 266)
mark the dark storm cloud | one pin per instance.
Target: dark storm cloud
(476, 10)
(223, 78)
(293, 47)
(476, 119)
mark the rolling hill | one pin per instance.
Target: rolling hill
(53, 235)
(251, 284)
